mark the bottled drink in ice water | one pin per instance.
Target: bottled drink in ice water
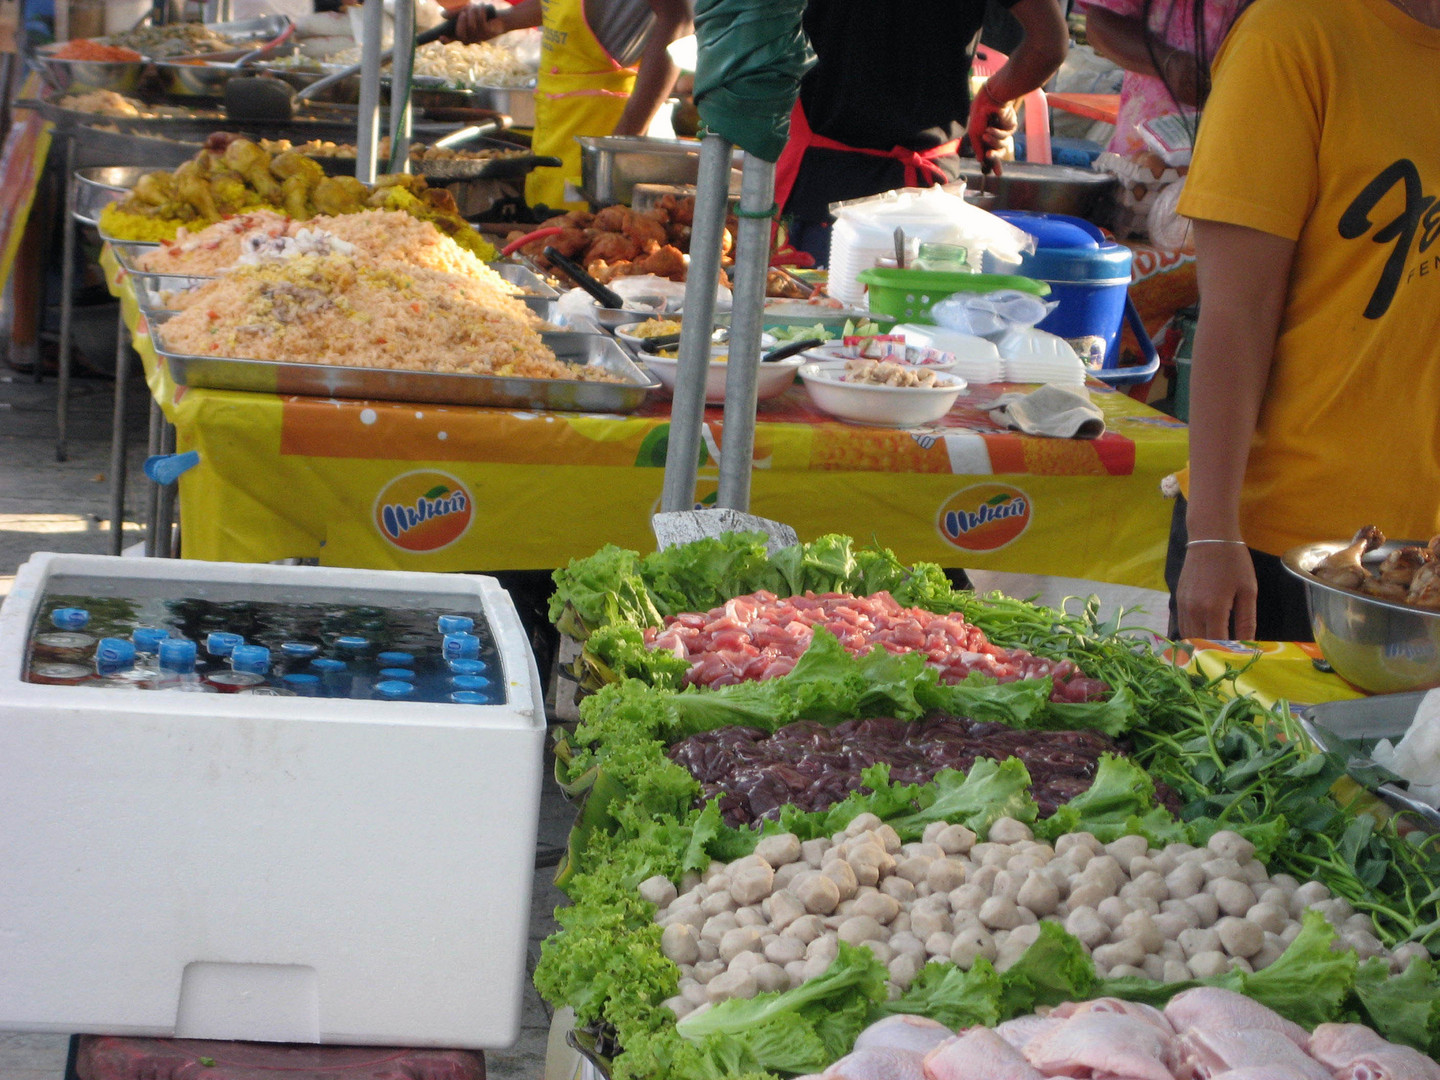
(455, 624)
(468, 697)
(113, 655)
(302, 684)
(393, 689)
(397, 673)
(147, 639)
(251, 658)
(396, 659)
(469, 682)
(177, 656)
(461, 646)
(299, 650)
(352, 643)
(70, 618)
(232, 682)
(220, 643)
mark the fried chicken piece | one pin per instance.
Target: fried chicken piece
(613, 219)
(612, 247)
(575, 219)
(337, 195)
(441, 199)
(681, 211)
(292, 163)
(253, 163)
(155, 189)
(1399, 567)
(605, 273)
(1343, 567)
(295, 197)
(192, 185)
(230, 193)
(645, 231)
(569, 242)
(1425, 587)
(678, 235)
(667, 262)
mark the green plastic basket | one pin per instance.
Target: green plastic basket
(907, 295)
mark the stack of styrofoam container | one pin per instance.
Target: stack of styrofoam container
(289, 869)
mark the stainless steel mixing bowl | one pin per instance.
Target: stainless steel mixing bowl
(1378, 645)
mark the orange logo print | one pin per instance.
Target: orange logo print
(423, 511)
(985, 517)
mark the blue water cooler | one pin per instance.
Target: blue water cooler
(1089, 275)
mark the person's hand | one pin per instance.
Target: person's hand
(991, 129)
(478, 23)
(1217, 587)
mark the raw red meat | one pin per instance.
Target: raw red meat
(760, 636)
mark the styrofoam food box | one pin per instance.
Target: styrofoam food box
(220, 866)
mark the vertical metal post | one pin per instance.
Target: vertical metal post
(67, 301)
(152, 502)
(687, 411)
(367, 131)
(118, 438)
(165, 517)
(752, 264)
(402, 69)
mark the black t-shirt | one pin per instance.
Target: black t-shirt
(887, 73)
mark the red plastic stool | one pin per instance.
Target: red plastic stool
(110, 1057)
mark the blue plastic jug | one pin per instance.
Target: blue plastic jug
(1089, 275)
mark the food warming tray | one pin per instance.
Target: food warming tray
(431, 387)
(1352, 728)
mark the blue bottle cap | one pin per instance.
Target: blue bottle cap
(327, 665)
(114, 653)
(351, 642)
(396, 659)
(178, 655)
(220, 643)
(147, 638)
(297, 679)
(252, 658)
(455, 624)
(70, 618)
(467, 667)
(393, 688)
(468, 697)
(299, 650)
(461, 646)
(469, 682)
(397, 673)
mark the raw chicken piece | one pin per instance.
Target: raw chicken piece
(1215, 1009)
(918, 1034)
(1022, 1029)
(877, 1063)
(1206, 1052)
(1260, 1072)
(1355, 1052)
(1136, 1009)
(1103, 1042)
(978, 1054)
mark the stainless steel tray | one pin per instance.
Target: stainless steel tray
(97, 188)
(152, 290)
(128, 251)
(1352, 728)
(611, 165)
(526, 279)
(384, 384)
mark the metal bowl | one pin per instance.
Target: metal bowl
(97, 188)
(1050, 189)
(204, 79)
(69, 76)
(1380, 646)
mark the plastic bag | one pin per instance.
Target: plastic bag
(937, 215)
(991, 315)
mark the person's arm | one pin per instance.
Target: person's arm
(472, 27)
(1244, 279)
(1038, 56)
(1122, 39)
(657, 71)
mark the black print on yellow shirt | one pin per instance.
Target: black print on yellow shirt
(1420, 212)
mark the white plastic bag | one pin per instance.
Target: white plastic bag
(993, 314)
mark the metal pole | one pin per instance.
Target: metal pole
(687, 411)
(117, 440)
(67, 302)
(367, 131)
(402, 70)
(752, 264)
(164, 533)
(152, 501)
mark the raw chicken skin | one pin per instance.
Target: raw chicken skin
(1260, 1072)
(1216, 1009)
(1208, 1053)
(877, 1063)
(1354, 1052)
(1138, 1010)
(1022, 1029)
(918, 1034)
(978, 1054)
(1103, 1043)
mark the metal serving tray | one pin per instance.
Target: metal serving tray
(1352, 728)
(385, 384)
(151, 289)
(523, 277)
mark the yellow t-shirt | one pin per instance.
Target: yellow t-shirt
(1324, 128)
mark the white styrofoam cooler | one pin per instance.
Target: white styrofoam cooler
(291, 869)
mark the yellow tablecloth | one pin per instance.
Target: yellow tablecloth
(1271, 671)
(446, 488)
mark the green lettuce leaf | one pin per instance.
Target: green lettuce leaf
(956, 998)
(605, 589)
(976, 800)
(1055, 968)
(1120, 801)
(1405, 1008)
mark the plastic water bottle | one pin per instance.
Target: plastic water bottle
(113, 655)
(393, 689)
(403, 673)
(252, 658)
(177, 656)
(467, 667)
(396, 659)
(299, 650)
(220, 643)
(461, 646)
(469, 682)
(468, 697)
(70, 618)
(147, 639)
(455, 624)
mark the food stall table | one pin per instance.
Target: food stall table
(393, 485)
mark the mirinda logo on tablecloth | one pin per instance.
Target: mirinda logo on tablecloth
(424, 511)
(985, 517)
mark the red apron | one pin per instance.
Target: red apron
(918, 163)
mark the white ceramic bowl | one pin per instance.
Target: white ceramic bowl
(882, 406)
(771, 380)
(626, 332)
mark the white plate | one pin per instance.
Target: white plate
(626, 333)
(771, 380)
(882, 406)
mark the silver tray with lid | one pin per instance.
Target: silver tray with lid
(428, 387)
